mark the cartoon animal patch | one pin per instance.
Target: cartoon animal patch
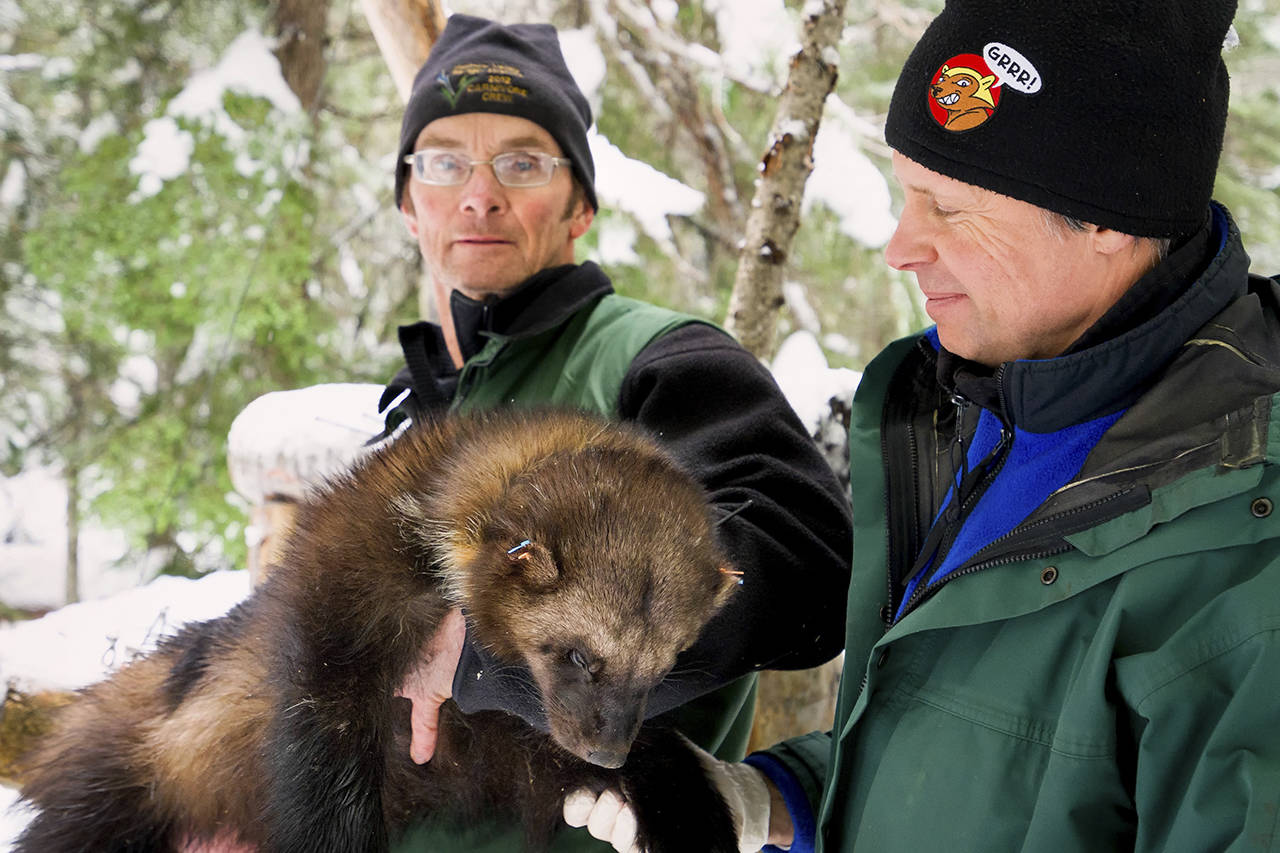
(965, 91)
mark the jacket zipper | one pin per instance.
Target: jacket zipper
(1061, 547)
(951, 520)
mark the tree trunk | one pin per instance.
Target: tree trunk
(775, 209)
(73, 535)
(404, 31)
(788, 703)
(300, 28)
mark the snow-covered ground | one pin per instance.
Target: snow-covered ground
(81, 643)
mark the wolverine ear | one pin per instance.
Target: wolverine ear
(534, 563)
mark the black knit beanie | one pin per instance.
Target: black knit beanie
(480, 66)
(1109, 111)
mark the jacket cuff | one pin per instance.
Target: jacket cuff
(797, 802)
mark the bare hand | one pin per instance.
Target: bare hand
(430, 683)
(221, 843)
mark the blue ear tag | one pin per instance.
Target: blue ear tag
(520, 552)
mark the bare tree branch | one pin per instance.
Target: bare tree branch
(404, 31)
(775, 209)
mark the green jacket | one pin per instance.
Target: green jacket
(570, 341)
(1105, 676)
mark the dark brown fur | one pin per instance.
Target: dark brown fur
(277, 723)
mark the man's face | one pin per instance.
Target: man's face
(1000, 282)
(481, 237)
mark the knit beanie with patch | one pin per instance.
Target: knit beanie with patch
(1108, 111)
(480, 66)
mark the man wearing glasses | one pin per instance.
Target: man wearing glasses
(495, 181)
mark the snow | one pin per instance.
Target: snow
(270, 429)
(21, 62)
(801, 369)
(755, 43)
(98, 129)
(80, 644)
(247, 67)
(164, 154)
(83, 643)
(639, 189)
(848, 182)
(1270, 31)
(585, 60)
(615, 242)
(33, 559)
(12, 817)
(13, 189)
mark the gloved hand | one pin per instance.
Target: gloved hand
(743, 787)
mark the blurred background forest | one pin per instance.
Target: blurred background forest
(182, 230)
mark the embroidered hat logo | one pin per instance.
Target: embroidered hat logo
(965, 92)
(493, 82)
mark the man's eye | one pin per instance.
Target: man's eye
(522, 162)
(445, 163)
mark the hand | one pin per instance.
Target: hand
(220, 843)
(430, 683)
(746, 791)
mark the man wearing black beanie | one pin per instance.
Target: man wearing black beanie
(1065, 490)
(495, 181)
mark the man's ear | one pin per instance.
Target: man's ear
(410, 217)
(1108, 241)
(581, 219)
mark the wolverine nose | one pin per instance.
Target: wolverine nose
(607, 758)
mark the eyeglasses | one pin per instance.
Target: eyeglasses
(439, 167)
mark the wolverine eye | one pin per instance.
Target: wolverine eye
(590, 666)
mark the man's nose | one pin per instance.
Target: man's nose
(910, 245)
(482, 194)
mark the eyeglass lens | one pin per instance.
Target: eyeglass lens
(512, 169)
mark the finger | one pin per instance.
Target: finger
(424, 728)
(577, 807)
(603, 815)
(623, 838)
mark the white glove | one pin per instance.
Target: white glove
(743, 787)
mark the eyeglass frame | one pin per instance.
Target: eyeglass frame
(556, 162)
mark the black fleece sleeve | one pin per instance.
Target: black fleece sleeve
(722, 416)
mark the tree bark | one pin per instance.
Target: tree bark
(775, 208)
(788, 703)
(300, 29)
(404, 31)
(73, 535)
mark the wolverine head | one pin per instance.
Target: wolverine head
(595, 566)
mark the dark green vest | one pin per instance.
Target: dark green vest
(581, 363)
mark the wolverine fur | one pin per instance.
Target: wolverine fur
(575, 547)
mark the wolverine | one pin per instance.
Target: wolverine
(579, 552)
